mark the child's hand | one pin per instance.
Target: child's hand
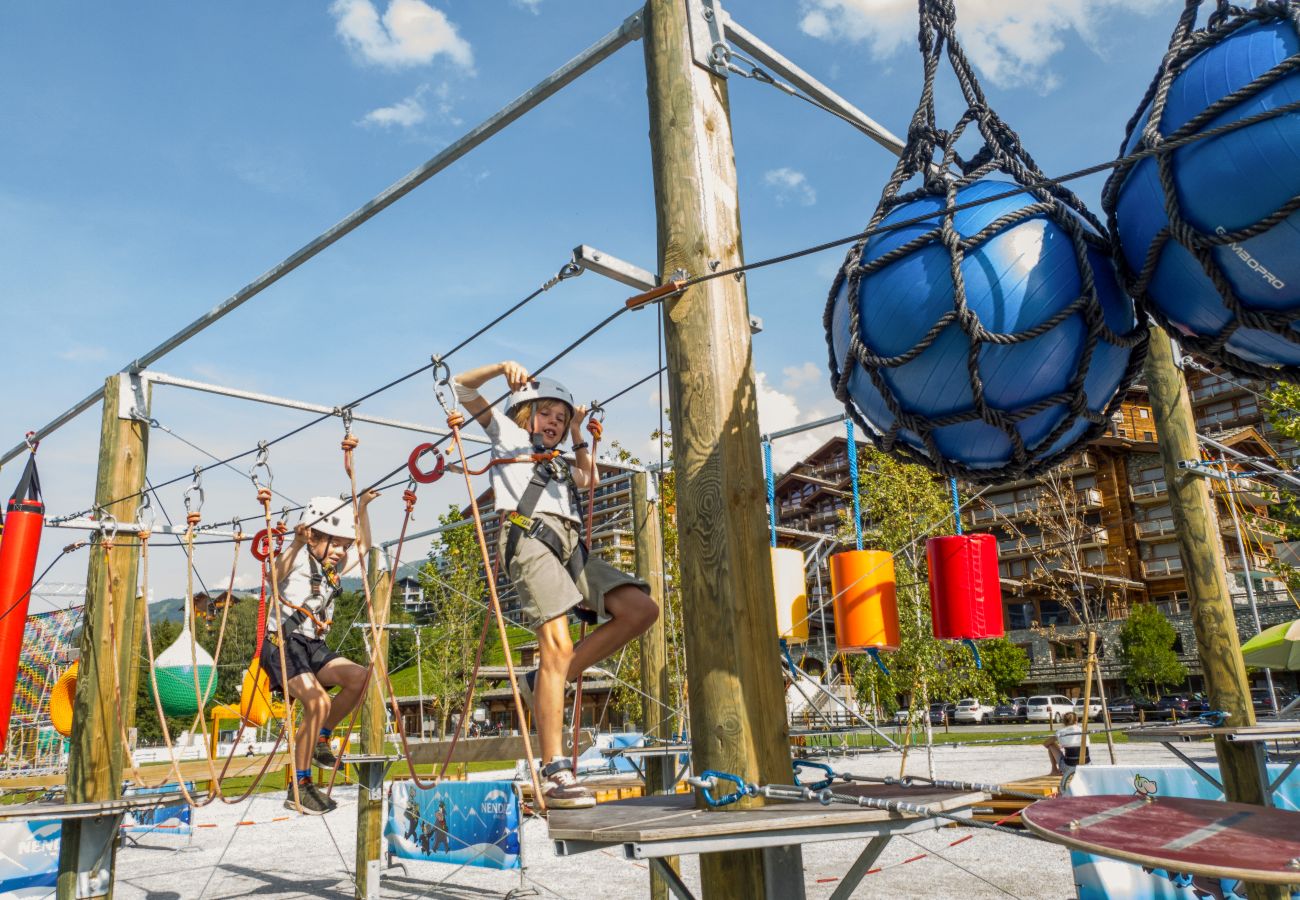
(575, 427)
(367, 498)
(301, 534)
(515, 374)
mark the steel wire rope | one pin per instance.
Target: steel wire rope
(937, 855)
(567, 271)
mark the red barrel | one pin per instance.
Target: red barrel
(22, 540)
(965, 590)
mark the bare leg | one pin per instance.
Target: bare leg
(348, 676)
(315, 702)
(556, 650)
(631, 612)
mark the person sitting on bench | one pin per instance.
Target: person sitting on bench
(1064, 746)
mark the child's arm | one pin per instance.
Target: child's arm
(363, 529)
(466, 385)
(584, 472)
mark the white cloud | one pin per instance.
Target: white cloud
(798, 376)
(410, 33)
(403, 114)
(533, 6)
(1011, 42)
(778, 410)
(80, 353)
(790, 185)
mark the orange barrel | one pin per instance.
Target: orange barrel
(62, 698)
(866, 605)
(791, 595)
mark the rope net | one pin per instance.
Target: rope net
(1248, 326)
(1031, 395)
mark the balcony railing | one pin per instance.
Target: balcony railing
(1156, 529)
(1258, 562)
(1148, 491)
(1162, 568)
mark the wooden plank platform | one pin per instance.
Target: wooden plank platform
(488, 749)
(1179, 834)
(158, 774)
(1006, 810)
(671, 817)
(1192, 731)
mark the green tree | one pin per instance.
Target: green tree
(1147, 651)
(902, 505)
(1006, 665)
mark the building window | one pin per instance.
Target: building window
(1020, 615)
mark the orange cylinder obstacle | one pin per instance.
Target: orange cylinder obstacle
(866, 603)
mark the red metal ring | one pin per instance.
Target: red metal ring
(413, 464)
(261, 546)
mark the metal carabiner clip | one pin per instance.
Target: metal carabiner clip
(263, 453)
(441, 379)
(196, 487)
(144, 514)
(107, 528)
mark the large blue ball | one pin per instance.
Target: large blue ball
(1226, 182)
(1018, 278)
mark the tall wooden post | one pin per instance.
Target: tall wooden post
(656, 702)
(370, 813)
(1241, 767)
(96, 755)
(737, 710)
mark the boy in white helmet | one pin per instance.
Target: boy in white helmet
(309, 584)
(542, 552)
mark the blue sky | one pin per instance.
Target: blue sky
(159, 156)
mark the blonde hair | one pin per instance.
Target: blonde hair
(523, 415)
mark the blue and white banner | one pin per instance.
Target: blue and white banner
(29, 858)
(171, 819)
(1099, 877)
(463, 822)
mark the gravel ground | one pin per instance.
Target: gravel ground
(314, 856)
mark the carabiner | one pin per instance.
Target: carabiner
(144, 514)
(107, 528)
(263, 453)
(441, 379)
(196, 487)
(821, 785)
(742, 789)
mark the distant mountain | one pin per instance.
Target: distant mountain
(170, 610)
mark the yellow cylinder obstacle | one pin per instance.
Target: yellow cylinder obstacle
(791, 595)
(61, 699)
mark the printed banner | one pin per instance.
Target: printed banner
(173, 819)
(463, 822)
(1098, 877)
(29, 858)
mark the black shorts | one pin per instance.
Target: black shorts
(301, 654)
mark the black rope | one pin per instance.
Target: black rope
(931, 154)
(1186, 44)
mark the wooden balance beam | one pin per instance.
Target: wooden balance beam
(158, 774)
(487, 749)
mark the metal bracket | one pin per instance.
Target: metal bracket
(373, 868)
(95, 849)
(371, 770)
(619, 270)
(708, 43)
(131, 402)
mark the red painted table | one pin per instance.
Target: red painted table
(1179, 834)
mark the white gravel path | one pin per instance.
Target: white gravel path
(314, 856)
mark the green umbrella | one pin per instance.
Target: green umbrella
(1277, 647)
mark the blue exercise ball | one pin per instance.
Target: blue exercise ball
(1021, 277)
(1221, 185)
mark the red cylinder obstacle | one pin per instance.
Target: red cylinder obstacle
(22, 540)
(965, 589)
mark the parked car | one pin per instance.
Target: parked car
(971, 712)
(1183, 706)
(1013, 710)
(1094, 708)
(1048, 708)
(1263, 703)
(942, 713)
(1127, 709)
(900, 715)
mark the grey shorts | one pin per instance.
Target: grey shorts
(545, 588)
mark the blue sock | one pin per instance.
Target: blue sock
(327, 733)
(302, 775)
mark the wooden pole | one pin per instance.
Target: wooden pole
(96, 755)
(1087, 695)
(737, 709)
(370, 813)
(656, 702)
(1241, 767)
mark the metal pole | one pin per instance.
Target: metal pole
(1260, 464)
(419, 677)
(1245, 568)
(588, 59)
(800, 79)
(432, 531)
(799, 429)
(161, 378)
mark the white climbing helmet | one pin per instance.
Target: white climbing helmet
(540, 389)
(332, 516)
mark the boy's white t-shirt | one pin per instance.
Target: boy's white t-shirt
(297, 589)
(510, 480)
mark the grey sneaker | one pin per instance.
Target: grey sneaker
(313, 802)
(323, 756)
(561, 789)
